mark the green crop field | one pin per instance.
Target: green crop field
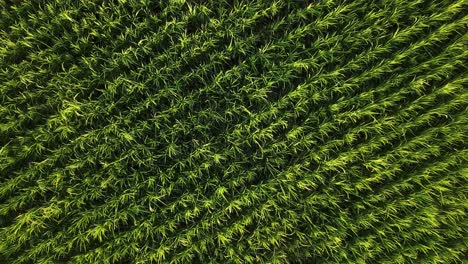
(233, 131)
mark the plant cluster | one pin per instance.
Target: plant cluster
(145, 131)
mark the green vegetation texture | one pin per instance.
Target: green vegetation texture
(269, 131)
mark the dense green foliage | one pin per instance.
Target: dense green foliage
(144, 131)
